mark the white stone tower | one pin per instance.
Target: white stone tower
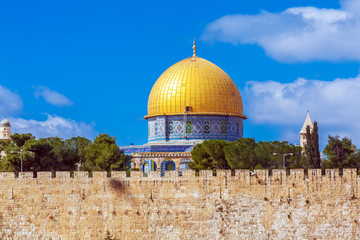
(5, 129)
(307, 122)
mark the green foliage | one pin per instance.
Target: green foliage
(244, 153)
(21, 139)
(55, 154)
(104, 154)
(4, 144)
(209, 155)
(276, 162)
(78, 145)
(312, 146)
(341, 153)
(44, 154)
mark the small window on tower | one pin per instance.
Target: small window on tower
(188, 109)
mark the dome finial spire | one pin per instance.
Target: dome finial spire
(194, 48)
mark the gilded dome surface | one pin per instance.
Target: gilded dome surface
(197, 85)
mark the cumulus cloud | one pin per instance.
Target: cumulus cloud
(296, 34)
(53, 126)
(333, 104)
(52, 97)
(10, 103)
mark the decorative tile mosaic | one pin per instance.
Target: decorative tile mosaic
(151, 129)
(197, 127)
(178, 127)
(233, 128)
(194, 127)
(223, 127)
(171, 127)
(188, 126)
(160, 128)
(206, 127)
(215, 127)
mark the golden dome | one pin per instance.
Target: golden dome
(198, 86)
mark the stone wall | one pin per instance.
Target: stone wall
(260, 206)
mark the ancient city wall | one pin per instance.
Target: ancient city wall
(260, 206)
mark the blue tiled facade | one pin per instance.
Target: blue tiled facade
(154, 148)
(195, 127)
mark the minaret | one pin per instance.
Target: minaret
(5, 129)
(307, 122)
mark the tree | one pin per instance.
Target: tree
(41, 157)
(209, 155)
(65, 155)
(291, 161)
(245, 153)
(78, 145)
(21, 139)
(47, 154)
(4, 144)
(104, 154)
(312, 146)
(341, 153)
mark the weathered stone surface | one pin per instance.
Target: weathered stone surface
(230, 205)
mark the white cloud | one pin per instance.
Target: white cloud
(296, 34)
(333, 104)
(10, 103)
(53, 126)
(52, 97)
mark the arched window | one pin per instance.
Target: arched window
(167, 165)
(148, 166)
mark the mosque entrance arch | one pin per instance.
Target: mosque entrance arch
(148, 166)
(167, 165)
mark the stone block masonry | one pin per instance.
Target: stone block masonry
(230, 205)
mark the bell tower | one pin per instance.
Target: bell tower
(309, 123)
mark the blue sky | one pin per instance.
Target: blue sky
(71, 68)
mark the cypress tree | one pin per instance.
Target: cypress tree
(315, 142)
(312, 146)
(308, 147)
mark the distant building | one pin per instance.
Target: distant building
(5, 129)
(309, 123)
(5, 133)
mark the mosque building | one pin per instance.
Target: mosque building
(192, 101)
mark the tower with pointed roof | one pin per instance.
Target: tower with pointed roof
(309, 123)
(5, 129)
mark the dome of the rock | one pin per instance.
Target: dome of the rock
(194, 100)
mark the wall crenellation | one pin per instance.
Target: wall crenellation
(261, 176)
